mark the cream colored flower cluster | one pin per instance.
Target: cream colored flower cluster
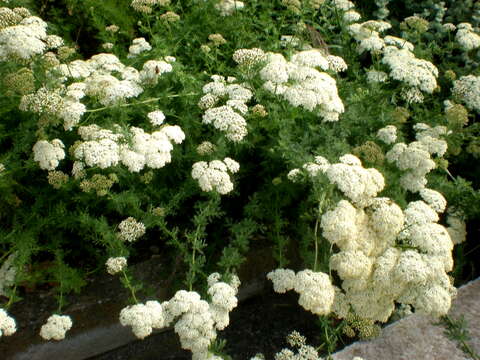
(48, 154)
(102, 77)
(143, 318)
(145, 6)
(130, 230)
(56, 327)
(315, 288)
(228, 7)
(7, 324)
(375, 273)
(419, 74)
(214, 175)
(227, 118)
(61, 102)
(367, 34)
(467, 37)
(138, 46)
(303, 351)
(198, 320)
(104, 148)
(467, 90)
(23, 36)
(223, 299)
(301, 83)
(357, 183)
(115, 265)
(415, 158)
(388, 134)
(405, 67)
(248, 57)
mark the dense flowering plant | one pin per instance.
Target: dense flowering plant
(344, 132)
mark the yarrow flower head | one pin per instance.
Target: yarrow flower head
(405, 67)
(115, 265)
(388, 134)
(248, 56)
(315, 288)
(56, 327)
(228, 7)
(138, 46)
(301, 82)
(130, 230)
(156, 117)
(466, 37)
(7, 324)
(48, 154)
(143, 318)
(227, 118)
(214, 176)
(467, 90)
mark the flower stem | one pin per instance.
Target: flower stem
(139, 102)
(132, 290)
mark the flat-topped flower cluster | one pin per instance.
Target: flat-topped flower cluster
(376, 270)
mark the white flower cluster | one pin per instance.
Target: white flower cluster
(24, 37)
(228, 7)
(115, 265)
(138, 46)
(213, 176)
(102, 77)
(8, 271)
(467, 90)
(48, 154)
(418, 74)
(415, 158)
(412, 95)
(94, 77)
(405, 67)
(351, 16)
(198, 320)
(7, 324)
(366, 229)
(153, 69)
(156, 117)
(388, 134)
(357, 183)
(300, 83)
(145, 6)
(223, 299)
(315, 288)
(130, 229)
(227, 118)
(248, 57)
(62, 102)
(375, 273)
(343, 5)
(104, 149)
(143, 318)
(467, 37)
(367, 34)
(56, 327)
